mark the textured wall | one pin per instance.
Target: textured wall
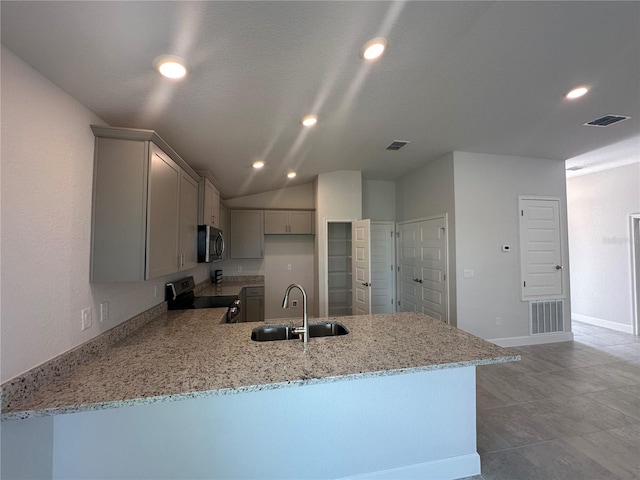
(599, 206)
(47, 169)
(487, 217)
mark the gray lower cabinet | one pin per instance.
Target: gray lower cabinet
(253, 304)
(145, 207)
(247, 234)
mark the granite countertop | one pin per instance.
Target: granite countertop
(188, 354)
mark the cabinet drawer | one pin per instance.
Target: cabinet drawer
(254, 291)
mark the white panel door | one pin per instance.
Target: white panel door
(407, 255)
(382, 267)
(361, 267)
(540, 253)
(422, 257)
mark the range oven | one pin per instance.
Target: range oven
(180, 295)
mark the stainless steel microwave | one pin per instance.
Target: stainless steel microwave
(210, 244)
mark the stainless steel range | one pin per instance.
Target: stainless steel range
(181, 296)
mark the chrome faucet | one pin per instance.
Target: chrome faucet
(304, 329)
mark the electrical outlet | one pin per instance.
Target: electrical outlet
(294, 303)
(104, 311)
(86, 318)
(239, 268)
(498, 320)
(288, 266)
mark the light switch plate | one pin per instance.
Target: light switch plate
(86, 318)
(104, 311)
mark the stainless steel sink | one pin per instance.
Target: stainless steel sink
(268, 333)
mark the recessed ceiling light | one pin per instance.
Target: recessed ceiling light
(309, 120)
(374, 48)
(171, 66)
(258, 164)
(291, 175)
(576, 92)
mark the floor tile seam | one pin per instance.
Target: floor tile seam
(557, 397)
(608, 405)
(562, 438)
(522, 446)
(577, 368)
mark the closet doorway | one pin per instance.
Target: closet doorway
(360, 267)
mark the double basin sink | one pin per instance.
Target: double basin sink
(268, 333)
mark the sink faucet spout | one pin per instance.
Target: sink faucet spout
(304, 329)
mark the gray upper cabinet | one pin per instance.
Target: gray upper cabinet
(163, 213)
(288, 222)
(145, 207)
(247, 234)
(209, 207)
(188, 221)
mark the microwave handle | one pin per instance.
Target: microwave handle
(219, 245)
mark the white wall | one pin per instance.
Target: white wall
(379, 200)
(47, 168)
(338, 197)
(426, 192)
(486, 203)
(300, 196)
(599, 206)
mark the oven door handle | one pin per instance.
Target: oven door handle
(173, 290)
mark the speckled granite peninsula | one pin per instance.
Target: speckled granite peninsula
(187, 354)
(185, 396)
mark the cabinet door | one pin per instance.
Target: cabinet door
(163, 214)
(247, 234)
(207, 214)
(188, 221)
(276, 221)
(254, 309)
(215, 207)
(301, 222)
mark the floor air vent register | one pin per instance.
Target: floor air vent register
(546, 316)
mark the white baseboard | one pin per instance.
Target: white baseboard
(447, 468)
(600, 322)
(532, 339)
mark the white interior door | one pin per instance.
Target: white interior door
(423, 266)
(382, 267)
(540, 253)
(361, 266)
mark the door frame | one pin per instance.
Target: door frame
(564, 256)
(635, 272)
(325, 255)
(446, 259)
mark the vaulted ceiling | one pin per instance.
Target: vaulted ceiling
(476, 76)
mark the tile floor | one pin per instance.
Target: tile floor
(568, 410)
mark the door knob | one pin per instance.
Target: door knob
(558, 267)
(366, 284)
(417, 280)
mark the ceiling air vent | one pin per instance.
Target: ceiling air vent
(606, 120)
(396, 145)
